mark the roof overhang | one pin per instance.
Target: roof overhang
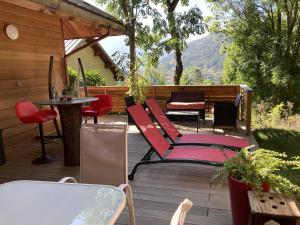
(80, 19)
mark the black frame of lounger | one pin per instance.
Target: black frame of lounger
(186, 143)
(147, 160)
(147, 157)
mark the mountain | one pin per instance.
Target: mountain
(203, 52)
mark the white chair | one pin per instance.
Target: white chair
(180, 213)
(66, 179)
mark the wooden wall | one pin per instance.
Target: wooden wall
(24, 65)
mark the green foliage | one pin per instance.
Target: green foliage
(265, 114)
(208, 82)
(263, 46)
(170, 32)
(137, 88)
(122, 60)
(262, 166)
(191, 76)
(154, 76)
(93, 78)
(72, 76)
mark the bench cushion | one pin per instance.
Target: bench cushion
(185, 105)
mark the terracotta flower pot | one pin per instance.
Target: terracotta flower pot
(239, 200)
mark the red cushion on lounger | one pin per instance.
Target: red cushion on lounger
(237, 142)
(173, 133)
(200, 153)
(185, 105)
(162, 119)
(148, 129)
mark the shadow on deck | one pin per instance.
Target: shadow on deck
(158, 189)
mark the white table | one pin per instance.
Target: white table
(50, 203)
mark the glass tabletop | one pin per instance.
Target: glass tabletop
(48, 203)
(72, 101)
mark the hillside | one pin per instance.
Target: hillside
(203, 52)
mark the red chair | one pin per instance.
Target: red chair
(97, 108)
(28, 113)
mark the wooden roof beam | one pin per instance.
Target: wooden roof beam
(86, 45)
(66, 10)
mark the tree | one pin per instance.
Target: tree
(130, 11)
(191, 76)
(171, 32)
(154, 76)
(263, 45)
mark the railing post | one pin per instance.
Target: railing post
(246, 106)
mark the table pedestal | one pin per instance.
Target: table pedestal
(70, 117)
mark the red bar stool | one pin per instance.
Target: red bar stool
(28, 113)
(97, 108)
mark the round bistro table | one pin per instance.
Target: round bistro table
(70, 118)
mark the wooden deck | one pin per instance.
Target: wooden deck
(158, 189)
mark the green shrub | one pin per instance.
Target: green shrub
(92, 77)
(262, 166)
(72, 76)
(266, 115)
(277, 113)
(137, 87)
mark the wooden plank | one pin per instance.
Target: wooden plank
(6, 45)
(33, 31)
(17, 11)
(10, 103)
(28, 64)
(27, 91)
(27, 56)
(31, 22)
(14, 74)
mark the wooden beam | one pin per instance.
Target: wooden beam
(86, 45)
(76, 14)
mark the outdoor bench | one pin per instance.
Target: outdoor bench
(186, 102)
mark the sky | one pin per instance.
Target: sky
(113, 44)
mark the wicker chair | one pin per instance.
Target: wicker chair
(225, 113)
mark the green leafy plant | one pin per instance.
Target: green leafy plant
(262, 166)
(137, 88)
(93, 78)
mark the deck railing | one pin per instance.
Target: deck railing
(162, 93)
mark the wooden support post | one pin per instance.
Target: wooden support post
(83, 76)
(50, 78)
(51, 96)
(249, 100)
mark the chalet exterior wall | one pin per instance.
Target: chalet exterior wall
(24, 65)
(91, 62)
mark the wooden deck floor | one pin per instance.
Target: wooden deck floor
(158, 189)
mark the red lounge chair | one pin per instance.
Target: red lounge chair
(195, 139)
(176, 154)
(97, 108)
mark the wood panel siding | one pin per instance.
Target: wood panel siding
(24, 65)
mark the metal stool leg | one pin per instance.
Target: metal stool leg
(95, 120)
(43, 158)
(57, 128)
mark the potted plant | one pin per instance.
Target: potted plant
(259, 170)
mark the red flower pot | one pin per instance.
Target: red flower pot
(239, 200)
